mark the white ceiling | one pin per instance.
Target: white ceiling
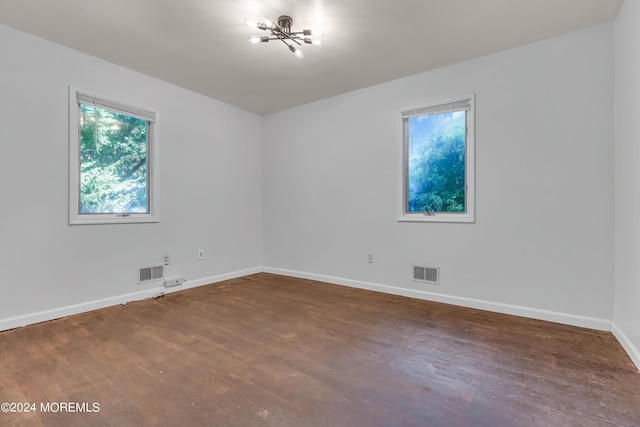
(202, 45)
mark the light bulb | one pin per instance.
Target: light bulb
(267, 22)
(250, 23)
(254, 39)
(296, 51)
(315, 32)
(316, 42)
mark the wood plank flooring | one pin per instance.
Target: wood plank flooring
(267, 350)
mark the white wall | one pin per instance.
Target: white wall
(542, 244)
(211, 194)
(627, 179)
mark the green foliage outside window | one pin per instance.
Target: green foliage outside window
(113, 162)
(436, 162)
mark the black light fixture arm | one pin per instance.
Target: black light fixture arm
(282, 35)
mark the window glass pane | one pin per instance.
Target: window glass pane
(113, 162)
(436, 162)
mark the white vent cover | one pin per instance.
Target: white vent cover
(426, 274)
(148, 274)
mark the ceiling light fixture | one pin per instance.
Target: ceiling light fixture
(282, 31)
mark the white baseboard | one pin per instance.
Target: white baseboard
(569, 319)
(625, 342)
(56, 313)
(533, 313)
(214, 279)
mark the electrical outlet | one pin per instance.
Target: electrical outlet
(370, 259)
(200, 253)
(165, 259)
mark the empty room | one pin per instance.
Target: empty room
(320, 213)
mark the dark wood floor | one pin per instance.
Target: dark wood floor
(267, 350)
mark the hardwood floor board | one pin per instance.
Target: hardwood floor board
(267, 350)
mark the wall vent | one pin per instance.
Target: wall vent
(426, 274)
(149, 274)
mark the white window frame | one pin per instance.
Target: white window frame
(455, 104)
(153, 190)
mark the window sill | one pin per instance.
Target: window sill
(112, 219)
(461, 218)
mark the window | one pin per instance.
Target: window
(113, 161)
(438, 162)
